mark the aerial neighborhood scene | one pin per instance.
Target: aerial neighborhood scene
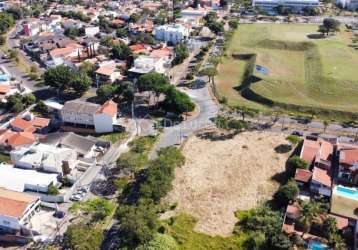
(179, 124)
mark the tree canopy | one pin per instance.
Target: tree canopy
(121, 51)
(287, 193)
(329, 25)
(64, 79)
(181, 53)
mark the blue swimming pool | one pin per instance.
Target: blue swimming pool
(347, 192)
(315, 245)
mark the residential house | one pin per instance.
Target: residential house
(90, 116)
(145, 64)
(85, 147)
(303, 177)
(47, 158)
(140, 49)
(10, 140)
(348, 164)
(321, 182)
(172, 33)
(30, 124)
(317, 153)
(108, 71)
(59, 56)
(16, 209)
(31, 27)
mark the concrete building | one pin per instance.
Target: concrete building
(348, 4)
(90, 115)
(173, 33)
(269, 6)
(145, 64)
(20, 180)
(91, 31)
(45, 157)
(16, 209)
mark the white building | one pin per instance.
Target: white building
(173, 33)
(16, 209)
(17, 179)
(90, 115)
(92, 30)
(45, 157)
(295, 5)
(193, 16)
(145, 64)
(348, 4)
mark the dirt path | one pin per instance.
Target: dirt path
(222, 176)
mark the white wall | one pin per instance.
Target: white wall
(79, 118)
(103, 123)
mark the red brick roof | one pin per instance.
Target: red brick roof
(109, 108)
(303, 175)
(348, 156)
(321, 176)
(13, 203)
(22, 124)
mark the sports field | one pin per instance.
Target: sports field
(303, 69)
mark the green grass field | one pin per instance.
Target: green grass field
(318, 73)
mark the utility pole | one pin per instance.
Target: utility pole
(133, 103)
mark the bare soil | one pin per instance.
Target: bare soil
(224, 175)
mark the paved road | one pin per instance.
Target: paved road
(174, 135)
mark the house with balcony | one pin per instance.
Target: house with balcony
(85, 116)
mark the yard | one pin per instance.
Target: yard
(222, 176)
(303, 69)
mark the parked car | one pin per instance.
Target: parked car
(59, 214)
(76, 197)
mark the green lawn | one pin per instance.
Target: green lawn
(114, 137)
(181, 228)
(303, 71)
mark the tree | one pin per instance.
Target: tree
(309, 212)
(52, 190)
(296, 162)
(245, 111)
(177, 102)
(106, 92)
(121, 51)
(293, 139)
(2, 40)
(209, 72)
(80, 82)
(121, 32)
(82, 236)
(134, 17)
(41, 108)
(138, 223)
(160, 242)
(64, 79)
(6, 22)
(87, 68)
(233, 24)
(329, 25)
(29, 99)
(216, 27)
(330, 229)
(181, 53)
(58, 77)
(15, 104)
(153, 81)
(287, 193)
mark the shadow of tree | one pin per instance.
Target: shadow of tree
(316, 36)
(283, 148)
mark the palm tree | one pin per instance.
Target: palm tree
(309, 213)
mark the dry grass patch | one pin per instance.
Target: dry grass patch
(222, 176)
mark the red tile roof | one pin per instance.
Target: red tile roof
(309, 150)
(13, 203)
(321, 176)
(21, 138)
(22, 124)
(303, 175)
(39, 122)
(4, 89)
(109, 108)
(348, 156)
(292, 209)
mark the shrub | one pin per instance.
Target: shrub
(296, 162)
(52, 190)
(287, 193)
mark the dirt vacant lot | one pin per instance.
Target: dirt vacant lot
(221, 176)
